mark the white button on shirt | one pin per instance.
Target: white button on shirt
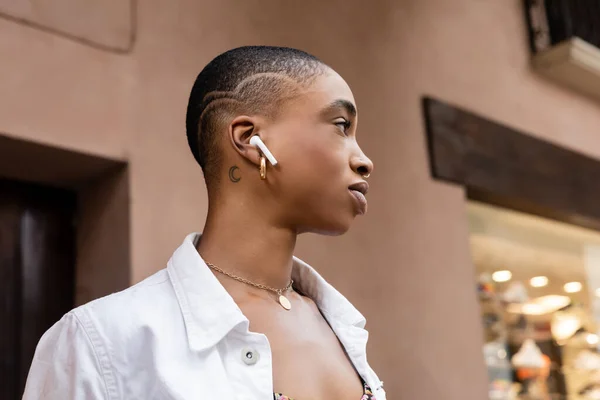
(250, 356)
(178, 335)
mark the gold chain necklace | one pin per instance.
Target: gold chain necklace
(285, 303)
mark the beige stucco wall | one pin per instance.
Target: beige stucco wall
(406, 265)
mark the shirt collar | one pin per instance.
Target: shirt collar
(210, 313)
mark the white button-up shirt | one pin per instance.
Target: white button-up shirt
(178, 335)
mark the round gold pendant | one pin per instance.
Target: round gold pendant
(285, 303)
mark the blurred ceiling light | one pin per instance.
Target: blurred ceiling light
(573, 287)
(540, 305)
(597, 292)
(554, 302)
(592, 339)
(502, 276)
(538, 281)
(533, 309)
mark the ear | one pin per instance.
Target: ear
(241, 129)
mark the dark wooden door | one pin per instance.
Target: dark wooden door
(37, 273)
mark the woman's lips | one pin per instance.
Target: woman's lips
(360, 201)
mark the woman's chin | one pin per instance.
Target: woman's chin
(331, 228)
(329, 232)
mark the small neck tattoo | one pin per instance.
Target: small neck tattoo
(234, 174)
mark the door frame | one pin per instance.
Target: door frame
(103, 261)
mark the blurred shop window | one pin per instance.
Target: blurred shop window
(538, 284)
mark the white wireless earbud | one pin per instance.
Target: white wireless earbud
(256, 141)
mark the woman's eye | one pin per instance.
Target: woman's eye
(344, 125)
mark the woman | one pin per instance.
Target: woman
(234, 314)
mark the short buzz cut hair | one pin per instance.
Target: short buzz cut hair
(245, 80)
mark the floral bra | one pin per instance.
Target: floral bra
(368, 394)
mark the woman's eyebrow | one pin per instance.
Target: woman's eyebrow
(340, 104)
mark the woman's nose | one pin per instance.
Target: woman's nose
(362, 165)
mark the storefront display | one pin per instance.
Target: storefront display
(538, 284)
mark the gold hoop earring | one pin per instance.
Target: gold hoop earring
(263, 168)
